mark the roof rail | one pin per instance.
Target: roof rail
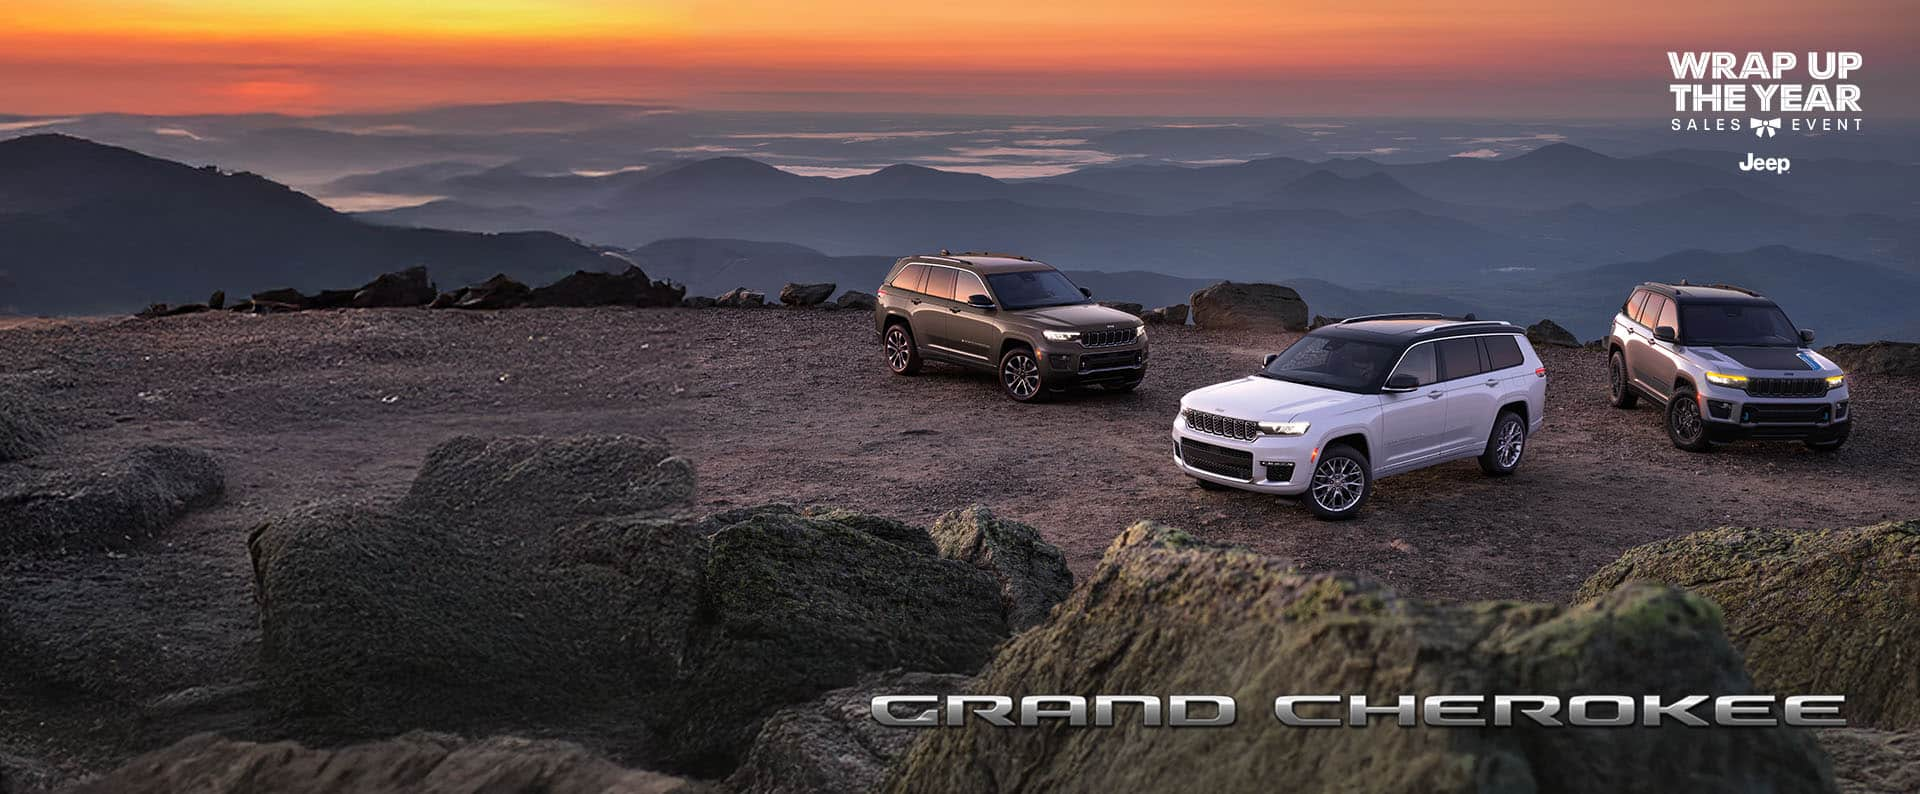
(1465, 324)
(1395, 316)
(988, 253)
(1741, 290)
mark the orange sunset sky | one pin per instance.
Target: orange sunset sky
(1226, 57)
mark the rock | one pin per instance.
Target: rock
(806, 294)
(285, 295)
(1231, 305)
(218, 300)
(1548, 332)
(537, 481)
(499, 292)
(164, 310)
(408, 287)
(1033, 575)
(699, 302)
(1165, 612)
(94, 503)
(911, 538)
(855, 299)
(1130, 308)
(24, 431)
(1867, 761)
(630, 287)
(415, 763)
(1877, 358)
(252, 306)
(332, 299)
(740, 298)
(1828, 611)
(1175, 314)
(1322, 321)
(1154, 316)
(20, 774)
(833, 743)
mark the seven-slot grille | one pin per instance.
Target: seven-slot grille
(1787, 387)
(1786, 414)
(1106, 338)
(1118, 358)
(1227, 426)
(1234, 463)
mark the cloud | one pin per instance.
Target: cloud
(15, 126)
(1479, 154)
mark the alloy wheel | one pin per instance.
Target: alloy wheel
(899, 349)
(1338, 484)
(1021, 375)
(1512, 442)
(1686, 418)
(1617, 377)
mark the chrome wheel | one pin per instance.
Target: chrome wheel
(1338, 483)
(1020, 374)
(1512, 442)
(899, 349)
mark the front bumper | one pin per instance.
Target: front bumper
(1732, 414)
(1272, 464)
(1068, 364)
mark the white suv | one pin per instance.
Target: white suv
(1366, 398)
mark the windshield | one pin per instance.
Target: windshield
(1736, 324)
(1334, 363)
(1032, 289)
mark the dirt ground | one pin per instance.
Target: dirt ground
(787, 405)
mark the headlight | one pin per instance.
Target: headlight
(1284, 428)
(1140, 332)
(1729, 381)
(1836, 381)
(1062, 336)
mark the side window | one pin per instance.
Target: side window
(940, 282)
(967, 285)
(1459, 358)
(1634, 303)
(1419, 363)
(1650, 311)
(1669, 316)
(1503, 352)
(910, 277)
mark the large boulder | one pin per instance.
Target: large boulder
(855, 299)
(1164, 613)
(833, 743)
(1548, 332)
(538, 481)
(409, 287)
(23, 430)
(740, 298)
(1829, 611)
(103, 502)
(630, 287)
(1175, 314)
(1869, 761)
(1032, 574)
(1231, 305)
(415, 763)
(285, 296)
(21, 774)
(1131, 308)
(806, 294)
(499, 292)
(1877, 358)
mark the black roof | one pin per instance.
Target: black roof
(1410, 328)
(984, 263)
(1706, 293)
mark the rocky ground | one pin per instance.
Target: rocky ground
(777, 405)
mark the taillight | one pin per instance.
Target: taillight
(882, 292)
(1540, 372)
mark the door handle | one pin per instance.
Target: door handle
(954, 309)
(1492, 382)
(1434, 395)
(916, 301)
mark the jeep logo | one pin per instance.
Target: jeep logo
(1778, 165)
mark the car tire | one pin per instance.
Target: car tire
(1684, 426)
(1832, 444)
(1506, 445)
(1619, 391)
(1020, 376)
(1341, 481)
(903, 353)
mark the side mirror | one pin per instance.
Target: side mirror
(1086, 293)
(1806, 336)
(1269, 360)
(980, 301)
(1401, 382)
(1666, 333)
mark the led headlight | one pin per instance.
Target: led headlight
(1284, 428)
(1140, 332)
(1836, 381)
(1729, 381)
(1062, 336)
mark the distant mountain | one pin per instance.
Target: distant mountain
(1194, 142)
(1370, 192)
(423, 179)
(86, 227)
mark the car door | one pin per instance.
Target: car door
(1640, 352)
(1660, 366)
(1413, 424)
(972, 327)
(1469, 394)
(935, 306)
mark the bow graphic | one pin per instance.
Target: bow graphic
(1766, 128)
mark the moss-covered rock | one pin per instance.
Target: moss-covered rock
(1166, 614)
(832, 743)
(1833, 611)
(98, 501)
(416, 763)
(1033, 575)
(1868, 761)
(23, 430)
(537, 482)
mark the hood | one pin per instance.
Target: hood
(1776, 360)
(1265, 399)
(1082, 315)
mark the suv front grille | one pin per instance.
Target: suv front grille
(1234, 463)
(1106, 338)
(1117, 358)
(1787, 387)
(1225, 426)
(1762, 413)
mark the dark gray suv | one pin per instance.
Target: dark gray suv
(1014, 316)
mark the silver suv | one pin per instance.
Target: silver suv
(1726, 364)
(1366, 398)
